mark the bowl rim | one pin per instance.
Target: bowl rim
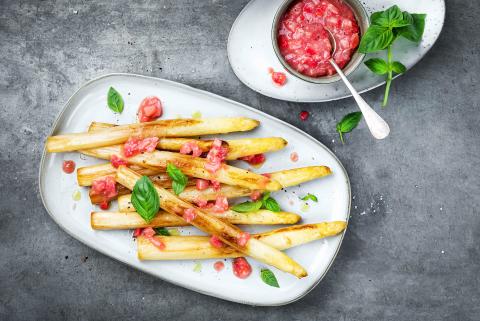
(363, 21)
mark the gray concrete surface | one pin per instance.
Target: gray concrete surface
(412, 249)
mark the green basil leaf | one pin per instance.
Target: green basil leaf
(376, 38)
(179, 180)
(271, 205)
(178, 187)
(269, 278)
(377, 65)
(407, 17)
(390, 18)
(266, 196)
(398, 67)
(114, 100)
(414, 31)
(310, 197)
(145, 199)
(247, 207)
(393, 14)
(162, 231)
(175, 173)
(348, 123)
(376, 18)
(399, 24)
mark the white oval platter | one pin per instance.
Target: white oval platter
(89, 104)
(250, 51)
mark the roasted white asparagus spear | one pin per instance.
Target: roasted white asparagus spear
(190, 166)
(285, 178)
(212, 225)
(131, 220)
(289, 177)
(159, 128)
(236, 147)
(199, 247)
(191, 194)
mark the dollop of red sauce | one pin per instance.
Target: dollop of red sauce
(202, 184)
(107, 188)
(189, 215)
(216, 156)
(221, 204)
(149, 233)
(218, 266)
(242, 240)
(215, 184)
(104, 205)
(202, 203)
(150, 109)
(278, 77)
(304, 115)
(303, 38)
(267, 175)
(241, 268)
(68, 166)
(254, 159)
(294, 157)
(134, 146)
(159, 244)
(137, 232)
(191, 147)
(216, 242)
(117, 161)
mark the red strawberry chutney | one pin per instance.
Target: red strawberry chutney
(303, 37)
(241, 268)
(107, 188)
(134, 145)
(68, 166)
(150, 109)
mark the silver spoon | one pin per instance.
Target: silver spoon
(378, 127)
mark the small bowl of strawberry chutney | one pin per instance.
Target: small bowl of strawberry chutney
(300, 37)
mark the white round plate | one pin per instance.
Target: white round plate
(250, 51)
(89, 104)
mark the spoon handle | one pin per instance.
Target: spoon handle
(378, 127)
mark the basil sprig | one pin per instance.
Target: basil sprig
(179, 180)
(310, 197)
(114, 100)
(145, 199)
(386, 26)
(348, 123)
(267, 202)
(269, 278)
